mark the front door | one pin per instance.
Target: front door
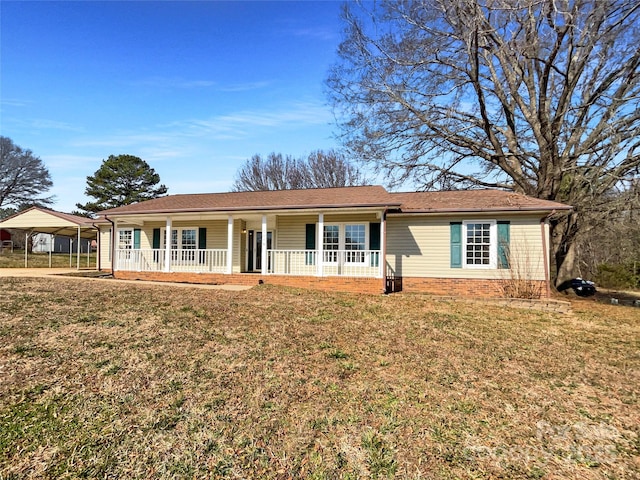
(255, 249)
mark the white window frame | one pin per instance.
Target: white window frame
(342, 242)
(125, 245)
(493, 244)
(178, 245)
(187, 254)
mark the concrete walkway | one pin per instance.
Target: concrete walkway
(71, 274)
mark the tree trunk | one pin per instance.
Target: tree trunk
(563, 248)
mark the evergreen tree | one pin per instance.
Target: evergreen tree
(121, 180)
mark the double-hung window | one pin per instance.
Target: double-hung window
(348, 238)
(354, 243)
(183, 239)
(331, 243)
(480, 244)
(125, 241)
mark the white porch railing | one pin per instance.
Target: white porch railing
(182, 260)
(346, 263)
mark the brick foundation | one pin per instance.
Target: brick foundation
(461, 287)
(373, 286)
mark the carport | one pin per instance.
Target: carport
(42, 220)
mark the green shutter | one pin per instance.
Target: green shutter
(136, 238)
(156, 238)
(456, 244)
(310, 243)
(374, 242)
(504, 239)
(202, 244)
(156, 244)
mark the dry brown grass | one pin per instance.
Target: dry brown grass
(105, 380)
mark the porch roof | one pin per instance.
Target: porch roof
(321, 198)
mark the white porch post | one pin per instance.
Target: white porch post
(114, 246)
(230, 244)
(265, 267)
(383, 244)
(320, 244)
(51, 244)
(167, 245)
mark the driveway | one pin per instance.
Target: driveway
(72, 273)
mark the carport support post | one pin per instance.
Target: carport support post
(51, 237)
(78, 250)
(26, 248)
(70, 252)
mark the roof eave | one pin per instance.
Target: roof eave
(437, 211)
(249, 209)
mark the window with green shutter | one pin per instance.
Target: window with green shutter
(310, 243)
(504, 240)
(374, 242)
(456, 244)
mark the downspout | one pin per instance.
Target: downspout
(113, 243)
(545, 252)
(383, 253)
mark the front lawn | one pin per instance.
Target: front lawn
(15, 259)
(106, 380)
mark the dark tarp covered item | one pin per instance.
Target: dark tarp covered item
(582, 288)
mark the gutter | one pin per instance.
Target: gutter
(441, 211)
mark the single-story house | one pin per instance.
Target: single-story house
(360, 239)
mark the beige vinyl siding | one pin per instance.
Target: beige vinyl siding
(27, 220)
(105, 247)
(420, 247)
(216, 231)
(291, 230)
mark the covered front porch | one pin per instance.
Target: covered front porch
(304, 245)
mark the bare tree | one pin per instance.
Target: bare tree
(278, 172)
(537, 96)
(23, 176)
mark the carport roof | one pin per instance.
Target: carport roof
(43, 220)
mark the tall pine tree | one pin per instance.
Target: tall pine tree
(121, 180)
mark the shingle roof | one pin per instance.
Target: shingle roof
(346, 197)
(77, 219)
(472, 201)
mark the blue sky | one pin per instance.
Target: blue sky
(193, 88)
